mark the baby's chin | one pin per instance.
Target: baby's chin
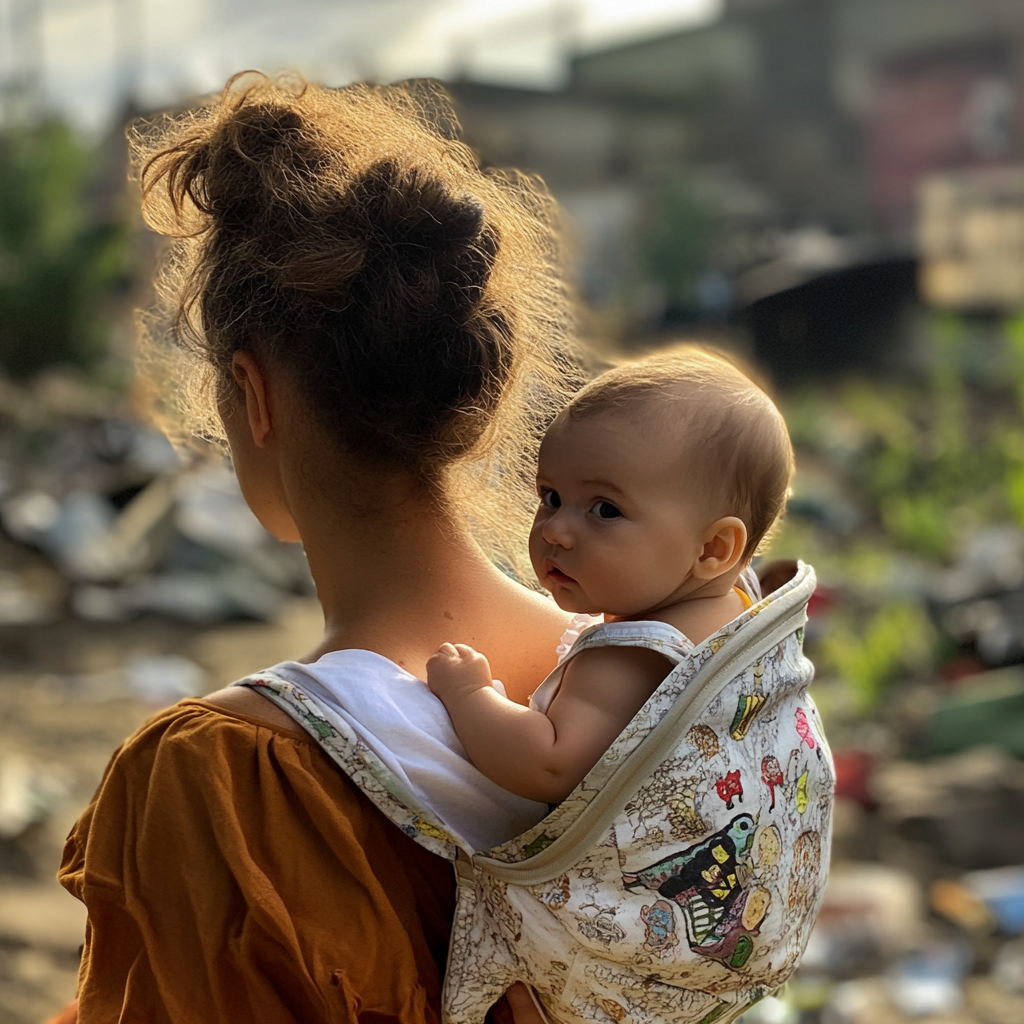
(578, 604)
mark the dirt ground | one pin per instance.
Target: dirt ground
(65, 710)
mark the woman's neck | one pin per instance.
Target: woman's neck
(403, 582)
(378, 568)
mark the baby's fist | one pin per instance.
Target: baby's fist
(457, 668)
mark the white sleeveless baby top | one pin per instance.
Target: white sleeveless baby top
(396, 716)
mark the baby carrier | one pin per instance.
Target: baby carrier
(678, 883)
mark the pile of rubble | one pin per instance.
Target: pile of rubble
(124, 526)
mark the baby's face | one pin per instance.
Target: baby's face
(616, 531)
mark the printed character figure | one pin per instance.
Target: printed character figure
(703, 738)
(660, 923)
(771, 775)
(704, 881)
(803, 728)
(730, 787)
(802, 797)
(747, 706)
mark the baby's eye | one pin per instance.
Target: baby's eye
(606, 510)
(550, 499)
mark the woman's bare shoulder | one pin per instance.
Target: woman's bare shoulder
(245, 701)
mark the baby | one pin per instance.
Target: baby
(657, 484)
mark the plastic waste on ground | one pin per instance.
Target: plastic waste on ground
(929, 981)
(1002, 891)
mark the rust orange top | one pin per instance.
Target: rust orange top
(233, 873)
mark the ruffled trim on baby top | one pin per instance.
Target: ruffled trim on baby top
(577, 624)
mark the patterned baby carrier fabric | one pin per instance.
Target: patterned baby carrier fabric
(680, 880)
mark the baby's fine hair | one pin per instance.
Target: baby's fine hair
(734, 442)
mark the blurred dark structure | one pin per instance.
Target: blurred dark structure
(807, 128)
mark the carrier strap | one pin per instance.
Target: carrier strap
(784, 613)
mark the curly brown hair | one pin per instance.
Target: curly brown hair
(349, 238)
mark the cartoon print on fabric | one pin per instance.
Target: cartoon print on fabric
(542, 842)
(602, 927)
(730, 786)
(803, 728)
(645, 999)
(767, 850)
(614, 1010)
(557, 892)
(802, 799)
(806, 856)
(559, 972)
(714, 1014)
(667, 795)
(721, 915)
(791, 774)
(660, 924)
(771, 775)
(748, 705)
(703, 738)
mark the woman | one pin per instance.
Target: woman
(378, 329)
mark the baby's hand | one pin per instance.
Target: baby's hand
(457, 669)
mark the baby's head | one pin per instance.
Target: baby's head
(658, 482)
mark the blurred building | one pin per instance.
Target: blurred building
(810, 128)
(838, 106)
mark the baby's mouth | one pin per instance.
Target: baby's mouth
(557, 575)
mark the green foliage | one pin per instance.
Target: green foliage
(925, 461)
(869, 653)
(675, 247)
(58, 259)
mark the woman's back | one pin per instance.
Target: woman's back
(232, 873)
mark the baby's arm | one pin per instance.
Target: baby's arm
(544, 757)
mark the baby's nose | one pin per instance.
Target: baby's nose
(556, 530)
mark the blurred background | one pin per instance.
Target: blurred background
(833, 189)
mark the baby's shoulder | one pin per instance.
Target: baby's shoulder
(597, 671)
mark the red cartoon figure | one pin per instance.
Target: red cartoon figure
(803, 728)
(730, 787)
(771, 775)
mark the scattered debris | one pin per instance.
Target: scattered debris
(129, 529)
(1002, 891)
(980, 599)
(870, 914)
(28, 793)
(986, 708)
(162, 679)
(929, 980)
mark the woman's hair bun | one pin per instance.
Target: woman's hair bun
(260, 153)
(348, 237)
(423, 236)
(409, 205)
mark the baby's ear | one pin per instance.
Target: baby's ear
(725, 540)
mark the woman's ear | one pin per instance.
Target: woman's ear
(724, 543)
(250, 379)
